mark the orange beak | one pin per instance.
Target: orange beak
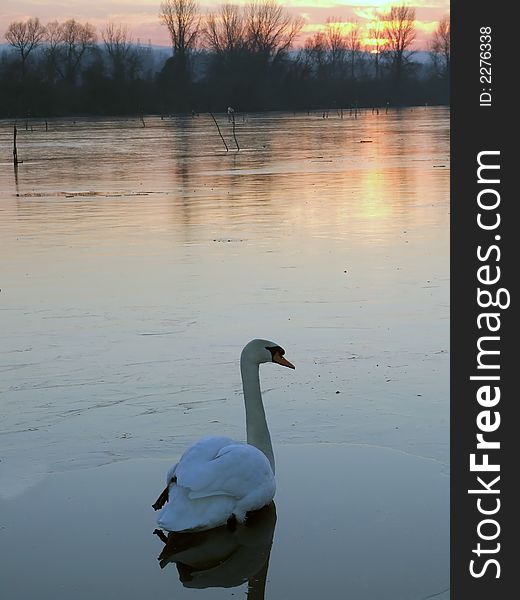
(278, 358)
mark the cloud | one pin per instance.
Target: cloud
(141, 16)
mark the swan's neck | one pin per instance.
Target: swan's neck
(256, 424)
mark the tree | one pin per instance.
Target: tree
(25, 36)
(76, 40)
(336, 46)
(66, 45)
(400, 35)
(229, 70)
(353, 47)
(53, 35)
(248, 47)
(224, 31)
(378, 45)
(52, 50)
(440, 45)
(270, 29)
(315, 53)
(120, 50)
(183, 24)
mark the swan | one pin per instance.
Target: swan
(218, 481)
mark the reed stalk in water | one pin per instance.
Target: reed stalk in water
(219, 132)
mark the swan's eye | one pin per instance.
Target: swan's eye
(274, 350)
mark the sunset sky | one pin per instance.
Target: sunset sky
(141, 16)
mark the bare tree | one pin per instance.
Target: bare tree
(25, 36)
(353, 47)
(270, 29)
(400, 36)
(376, 34)
(53, 35)
(225, 30)
(65, 47)
(336, 45)
(183, 23)
(440, 44)
(120, 50)
(315, 53)
(336, 48)
(53, 49)
(76, 39)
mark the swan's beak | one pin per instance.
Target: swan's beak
(278, 358)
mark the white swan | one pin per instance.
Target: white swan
(219, 480)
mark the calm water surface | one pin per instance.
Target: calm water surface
(136, 263)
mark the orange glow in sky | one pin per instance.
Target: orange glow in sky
(141, 16)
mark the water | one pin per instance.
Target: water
(137, 261)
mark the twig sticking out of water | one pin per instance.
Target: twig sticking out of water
(219, 132)
(16, 162)
(234, 134)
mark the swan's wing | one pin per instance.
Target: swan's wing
(192, 471)
(220, 466)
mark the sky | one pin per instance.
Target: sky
(141, 16)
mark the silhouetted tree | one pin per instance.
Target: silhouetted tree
(315, 53)
(24, 37)
(440, 46)
(53, 50)
(120, 50)
(249, 47)
(353, 47)
(76, 40)
(183, 23)
(270, 29)
(326, 51)
(336, 46)
(379, 43)
(400, 35)
(224, 33)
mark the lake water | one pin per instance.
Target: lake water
(136, 263)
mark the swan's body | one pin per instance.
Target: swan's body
(218, 479)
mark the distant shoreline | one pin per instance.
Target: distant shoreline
(135, 115)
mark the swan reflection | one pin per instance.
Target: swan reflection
(225, 556)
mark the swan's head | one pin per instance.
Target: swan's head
(263, 351)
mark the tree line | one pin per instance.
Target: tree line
(241, 56)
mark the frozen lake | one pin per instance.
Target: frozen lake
(136, 263)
